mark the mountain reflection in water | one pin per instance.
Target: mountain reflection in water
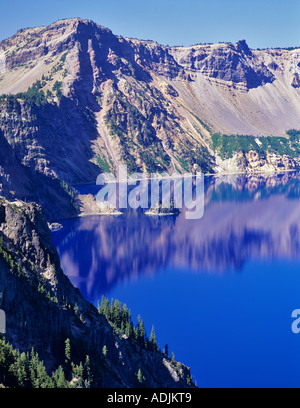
(245, 217)
(219, 290)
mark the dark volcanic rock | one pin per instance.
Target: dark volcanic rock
(242, 46)
(296, 80)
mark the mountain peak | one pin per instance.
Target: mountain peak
(242, 46)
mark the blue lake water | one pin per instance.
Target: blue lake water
(219, 290)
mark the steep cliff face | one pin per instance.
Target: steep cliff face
(43, 309)
(240, 91)
(227, 62)
(20, 181)
(101, 100)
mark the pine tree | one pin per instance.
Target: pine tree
(124, 314)
(189, 380)
(116, 313)
(76, 309)
(67, 351)
(77, 375)
(153, 341)
(141, 332)
(87, 373)
(128, 329)
(140, 376)
(33, 366)
(59, 378)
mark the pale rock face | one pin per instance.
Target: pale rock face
(251, 162)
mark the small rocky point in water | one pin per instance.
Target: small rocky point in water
(161, 210)
(55, 226)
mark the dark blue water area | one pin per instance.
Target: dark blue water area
(219, 291)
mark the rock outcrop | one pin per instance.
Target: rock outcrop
(296, 80)
(253, 162)
(228, 62)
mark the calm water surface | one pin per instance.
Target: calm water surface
(219, 290)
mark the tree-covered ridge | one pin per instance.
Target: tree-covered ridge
(26, 370)
(227, 145)
(120, 317)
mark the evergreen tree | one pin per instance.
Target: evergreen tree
(116, 313)
(77, 375)
(128, 329)
(67, 351)
(76, 309)
(141, 332)
(60, 379)
(140, 376)
(33, 366)
(88, 373)
(153, 341)
(27, 371)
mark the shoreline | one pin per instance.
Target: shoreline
(155, 214)
(222, 173)
(216, 175)
(115, 214)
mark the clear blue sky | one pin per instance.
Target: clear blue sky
(263, 23)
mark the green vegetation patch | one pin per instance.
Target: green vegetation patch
(34, 95)
(57, 88)
(227, 145)
(26, 370)
(103, 164)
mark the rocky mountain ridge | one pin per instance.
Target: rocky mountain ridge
(84, 100)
